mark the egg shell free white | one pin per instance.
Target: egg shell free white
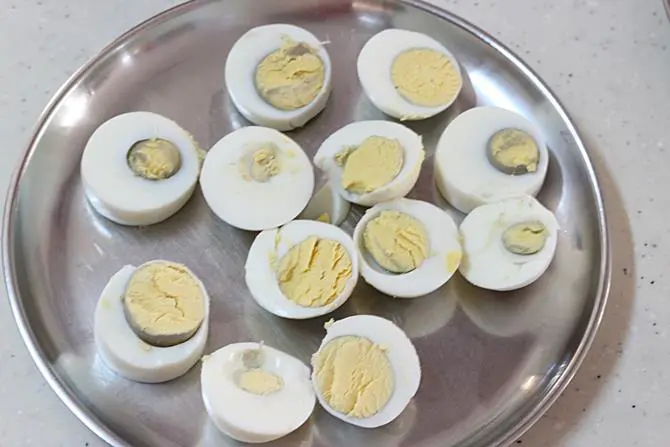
(261, 278)
(327, 200)
(126, 354)
(353, 135)
(253, 418)
(112, 188)
(374, 72)
(240, 71)
(433, 272)
(401, 354)
(463, 173)
(248, 204)
(487, 264)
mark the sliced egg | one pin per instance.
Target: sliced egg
(408, 248)
(302, 270)
(408, 75)
(509, 244)
(488, 154)
(366, 371)
(369, 162)
(256, 178)
(121, 343)
(326, 205)
(278, 76)
(254, 393)
(139, 168)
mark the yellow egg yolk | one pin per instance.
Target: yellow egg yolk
(154, 159)
(261, 164)
(525, 238)
(373, 164)
(260, 382)
(513, 151)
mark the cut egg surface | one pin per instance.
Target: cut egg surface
(488, 154)
(256, 178)
(369, 162)
(139, 168)
(255, 393)
(366, 371)
(139, 304)
(408, 75)
(326, 205)
(278, 76)
(509, 244)
(302, 270)
(407, 248)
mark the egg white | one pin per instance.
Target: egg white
(128, 355)
(244, 57)
(463, 173)
(269, 248)
(327, 200)
(112, 188)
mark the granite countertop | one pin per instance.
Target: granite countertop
(608, 61)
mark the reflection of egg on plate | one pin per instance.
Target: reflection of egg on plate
(326, 205)
(366, 371)
(488, 154)
(278, 76)
(369, 162)
(255, 393)
(151, 321)
(139, 168)
(509, 244)
(408, 248)
(302, 270)
(408, 75)
(256, 178)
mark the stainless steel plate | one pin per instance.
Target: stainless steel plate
(492, 363)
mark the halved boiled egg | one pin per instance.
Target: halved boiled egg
(278, 76)
(408, 75)
(508, 244)
(256, 178)
(326, 205)
(366, 371)
(151, 321)
(408, 248)
(254, 393)
(488, 154)
(302, 270)
(139, 168)
(371, 161)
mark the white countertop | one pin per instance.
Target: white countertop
(608, 61)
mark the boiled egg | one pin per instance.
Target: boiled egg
(371, 161)
(302, 270)
(488, 154)
(326, 205)
(139, 168)
(366, 371)
(151, 321)
(278, 76)
(256, 178)
(408, 75)
(508, 244)
(408, 248)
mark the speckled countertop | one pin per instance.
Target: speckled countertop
(608, 61)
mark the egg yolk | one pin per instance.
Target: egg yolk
(260, 382)
(373, 164)
(525, 238)
(290, 77)
(154, 159)
(261, 164)
(425, 77)
(397, 241)
(354, 376)
(513, 151)
(314, 272)
(164, 303)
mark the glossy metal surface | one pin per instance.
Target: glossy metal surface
(492, 363)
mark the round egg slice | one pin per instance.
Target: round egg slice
(488, 154)
(366, 371)
(326, 205)
(278, 76)
(139, 168)
(151, 321)
(256, 178)
(408, 75)
(254, 393)
(508, 244)
(302, 270)
(408, 248)
(369, 162)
